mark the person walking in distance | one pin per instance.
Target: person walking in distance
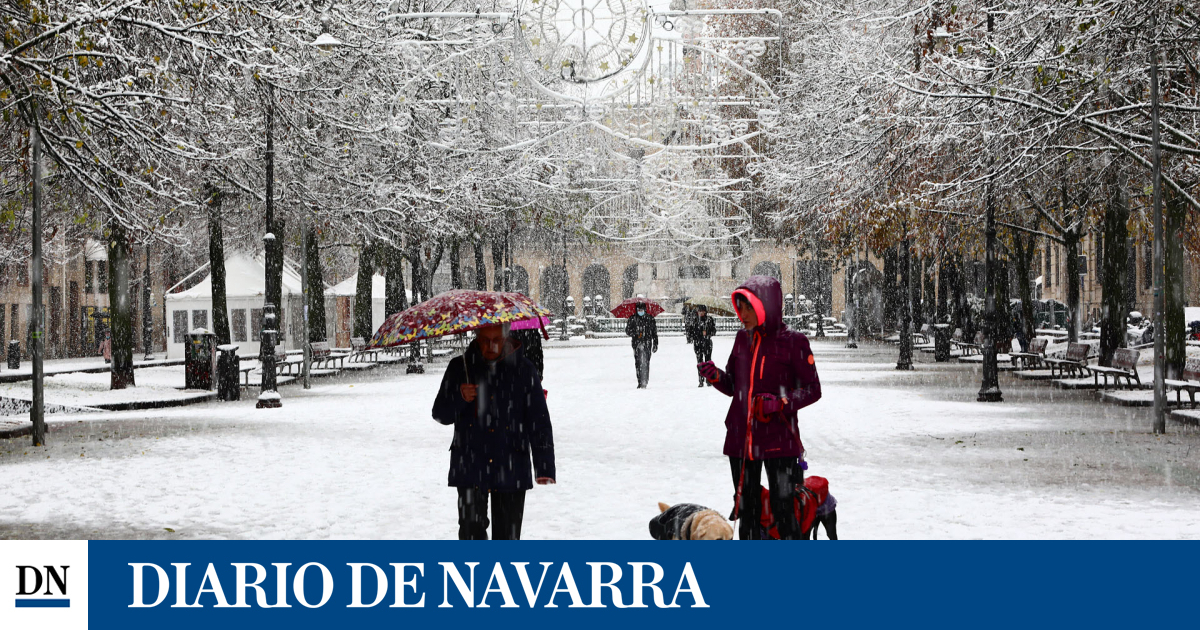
(643, 334)
(493, 396)
(702, 330)
(771, 374)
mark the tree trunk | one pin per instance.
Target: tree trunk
(1115, 307)
(147, 316)
(890, 314)
(394, 299)
(362, 292)
(1174, 294)
(455, 266)
(480, 266)
(929, 301)
(417, 269)
(943, 289)
(434, 262)
(274, 246)
(1071, 242)
(989, 390)
(906, 305)
(498, 263)
(316, 287)
(119, 309)
(216, 265)
(1023, 262)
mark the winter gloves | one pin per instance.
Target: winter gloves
(709, 371)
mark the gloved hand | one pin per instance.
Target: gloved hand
(709, 371)
(767, 405)
(655, 348)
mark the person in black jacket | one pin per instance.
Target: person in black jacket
(643, 334)
(493, 396)
(530, 340)
(702, 330)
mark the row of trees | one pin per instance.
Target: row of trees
(203, 126)
(993, 129)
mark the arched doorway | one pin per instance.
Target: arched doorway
(595, 282)
(767, 268)
(520, 280)
(629, 278)
(554, 288)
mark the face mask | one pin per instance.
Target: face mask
(641, 312)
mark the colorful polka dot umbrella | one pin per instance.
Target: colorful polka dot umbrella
(455, 312)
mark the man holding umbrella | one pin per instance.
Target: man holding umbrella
(493, 396)
(642, 331)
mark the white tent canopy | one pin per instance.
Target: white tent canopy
(245, 289)
(349, 288)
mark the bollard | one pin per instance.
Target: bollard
(227, 373)
(14, 355)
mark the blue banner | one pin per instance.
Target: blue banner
(598, 584)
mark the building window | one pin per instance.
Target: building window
(89, 280)
(23, 274)
(654, 272)
(101, 277)
(200, 318)
(694, 272)
(238, 323)
(256, 317)
(179, 321)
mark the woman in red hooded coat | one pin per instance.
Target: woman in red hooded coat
(771, 374)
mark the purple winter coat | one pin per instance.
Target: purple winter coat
(772, 360)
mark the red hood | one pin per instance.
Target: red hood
(765, 294)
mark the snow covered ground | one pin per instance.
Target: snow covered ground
(908, 455)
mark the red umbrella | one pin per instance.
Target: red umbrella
(626, 309)
(455, 312)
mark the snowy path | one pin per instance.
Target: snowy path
(908, 455)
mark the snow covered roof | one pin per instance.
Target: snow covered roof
(349, 288)
(244, 277)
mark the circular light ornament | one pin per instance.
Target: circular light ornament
(567, 44)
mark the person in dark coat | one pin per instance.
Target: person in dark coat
(643, 334)
(771, 374)
(530, 341)
(493, 396)
(702, 329)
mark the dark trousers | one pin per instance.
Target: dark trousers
(703, 353)
(783, 474)
(641, 361)
(508, 509)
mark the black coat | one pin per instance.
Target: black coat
(675, 523)
(703, 330)
(495, 435)
(531, 344)
(642, 330)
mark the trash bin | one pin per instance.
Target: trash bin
(941, 342)
(200, 359)
(14, 355)
(228, 363)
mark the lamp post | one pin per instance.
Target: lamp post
(268, 397)
(326, 43)
(37, 410)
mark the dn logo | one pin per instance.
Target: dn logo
(29, 587)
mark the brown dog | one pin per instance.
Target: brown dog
(688, 521)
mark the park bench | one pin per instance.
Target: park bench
(285, 363)
(1074, 361)
(245, 372)
(361, 351)
(1190, 382)
(970, 348)
(1033, 358)
(322, 354)
(1124, 366)
(926, 335)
